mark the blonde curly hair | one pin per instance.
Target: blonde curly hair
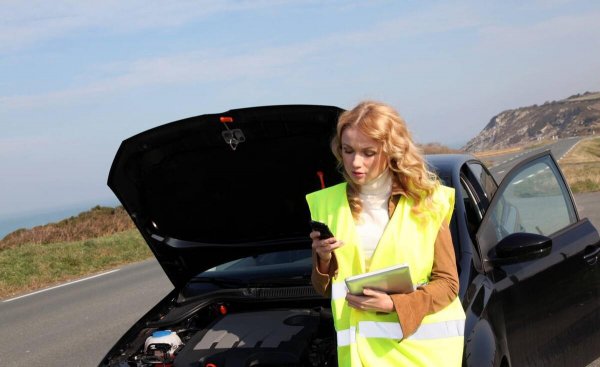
(410, 174)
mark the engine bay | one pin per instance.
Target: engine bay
(226, 334)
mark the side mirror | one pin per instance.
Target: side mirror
(519, 247)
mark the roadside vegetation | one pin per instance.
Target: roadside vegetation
(96, 222)
(582, 166)
(97, 240)
(104, 237)
(91, 242)
(437, 148)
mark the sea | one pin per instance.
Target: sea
(9, 224)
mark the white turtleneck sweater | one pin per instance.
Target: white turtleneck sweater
(375, 213)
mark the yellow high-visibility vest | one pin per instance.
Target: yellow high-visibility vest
(367, 338)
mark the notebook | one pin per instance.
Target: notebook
(394, 279)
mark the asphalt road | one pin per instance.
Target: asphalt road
(77, 323)
(502, 164)
(588, 206)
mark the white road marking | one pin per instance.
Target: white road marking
(570, 149)
(62, 285)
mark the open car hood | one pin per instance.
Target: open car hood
(209, 189)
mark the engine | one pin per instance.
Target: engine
(226, 338)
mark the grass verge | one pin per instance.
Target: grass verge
(582, 166)
(30, 266)
(33, 266)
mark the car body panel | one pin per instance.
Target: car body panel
(550, 304)
(194, 195)
(539, 310)
(547, 302)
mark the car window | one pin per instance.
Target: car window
(482, 182)
(536, 200)
(447, 181)
(473, 214)
(270, 260)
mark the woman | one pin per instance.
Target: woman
(390, 210)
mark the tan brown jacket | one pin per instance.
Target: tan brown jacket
(411, 308)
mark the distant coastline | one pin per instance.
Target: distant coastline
(10, 224)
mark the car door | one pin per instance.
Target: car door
(549, 294)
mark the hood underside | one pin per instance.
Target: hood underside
(213, 188)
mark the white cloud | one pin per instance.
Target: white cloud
(28, 22)
(436, 19)
(178, 69)
(224, 65)
(268, 62)
(550, 32)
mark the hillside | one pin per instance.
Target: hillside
(437, 148)
(578, 115)
(96, 222)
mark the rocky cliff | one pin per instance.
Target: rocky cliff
(575, 116)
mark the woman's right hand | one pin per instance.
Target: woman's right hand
(324, 248)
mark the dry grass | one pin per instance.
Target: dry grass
(513, 149)
(437, 148)
(582, 166)
(32, 266)
(539, 143)
(102, 237)
(491, 153)
(90, 242)
(586, 97)
(98, 221)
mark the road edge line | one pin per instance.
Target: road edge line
(61, 285)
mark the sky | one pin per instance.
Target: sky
(78, 77)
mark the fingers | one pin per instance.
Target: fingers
(372, 300)
(324, 250)
(324, 246)
(368, 292)
(373, 292)
(359, 305)
(354, 301)
(314, 235)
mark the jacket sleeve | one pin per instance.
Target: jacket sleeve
(322, 282)
(441, 290)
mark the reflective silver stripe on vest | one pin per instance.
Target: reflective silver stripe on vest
(346, 337)
(438, 330)
(374, 329)
(338, 290)
(392, 330)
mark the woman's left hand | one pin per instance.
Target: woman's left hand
(371, 300)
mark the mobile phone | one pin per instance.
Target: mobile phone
(322, 229)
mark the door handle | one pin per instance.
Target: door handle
(591, 257)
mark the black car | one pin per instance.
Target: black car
(220, 200)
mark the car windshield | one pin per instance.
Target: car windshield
(270, 261)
